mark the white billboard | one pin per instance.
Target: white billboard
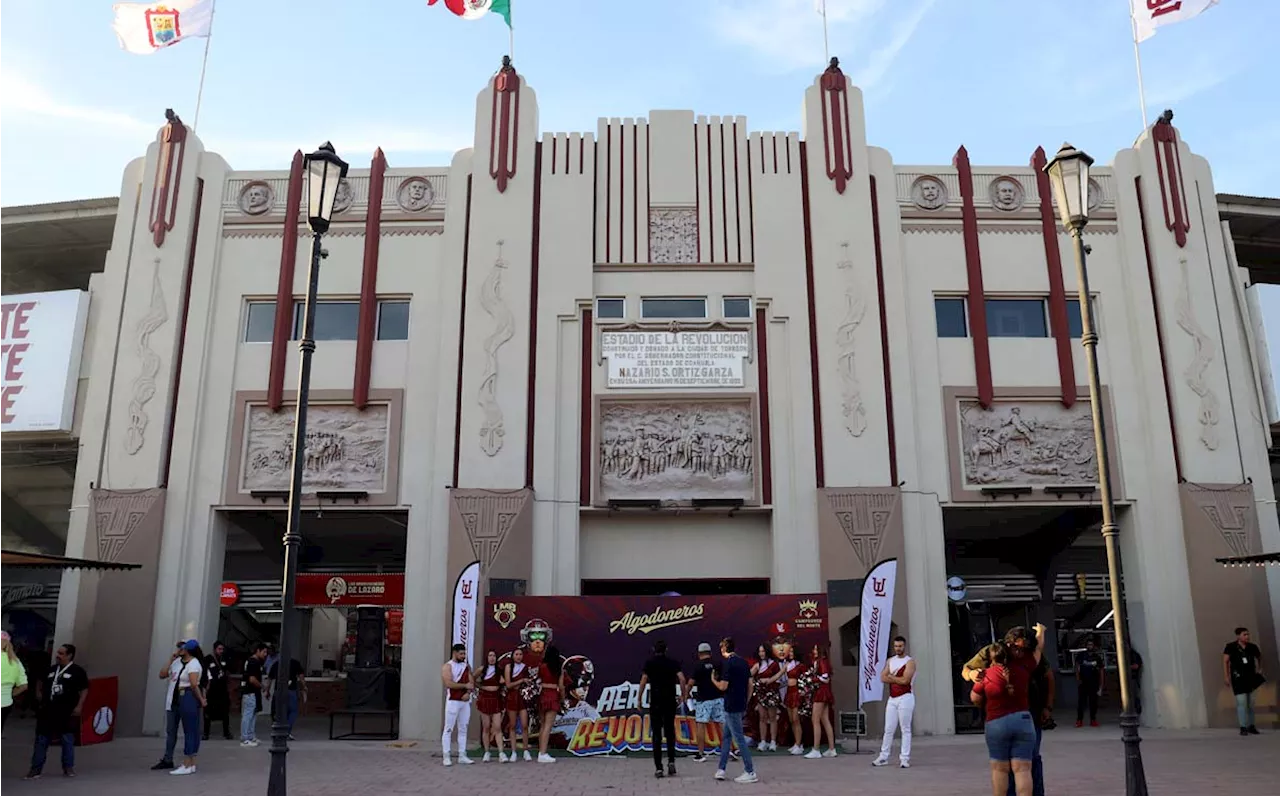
(43, 341)
(675, 359)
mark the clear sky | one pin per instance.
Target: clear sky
(1000, 76)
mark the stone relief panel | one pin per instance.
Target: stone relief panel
(144, 386)
(855, 309)
(344, 197)
(487, 519)
(256, 198)
(677, 450)
(1006, 194)
(673, 235)
(415, 195)
(864, 517)
(1194, 374)
(503, 329)
(1026, 443)
(928, 193)
(346, 448)
(117, 516)
(1231, 511)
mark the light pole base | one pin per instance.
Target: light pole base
(1135, 777)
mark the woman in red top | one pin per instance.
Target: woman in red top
(550, 673)
(517, 676)
(488, 680)
(767, 672)
(1002, 689)
(793, 699)
(823, 698)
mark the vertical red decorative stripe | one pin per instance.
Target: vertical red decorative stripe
(648, 193)
(977, 295)
(635, 193)
(530, 398)
(1155, 306)
(1057, 293)
(608, 192)
(504, 125)
(284, 288)
(1173, 192)
(367, 327)
(751, 199)
(462, 336)
(622, 189)
(711, 201)
(586, 398)
(884, 337)
(819, 462)
(837, 137)
(168, 181)
(182, 332)
(697, 192)
(724, 192)
(766, 436)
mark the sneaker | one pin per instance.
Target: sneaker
(657, 774)
(773, 746)
(163, 765)
(831, 752)
(33, 774)
(746, 778)
(254, 742)
(182, 771)
(904, 764)
(671, 769)
(735, 755)
(447, 761)
(503, 758)
(528, 758)
(814, 754)
(71, 772)
(1252, 730)
(1244, 731)
(291, 738)
(880, 761)
(719, 773)
(246, 744)
(796, 750)
(464, 760)
(1080, 723)
(486, 758)
(1093, 723)
(543, 757)
(699, 757)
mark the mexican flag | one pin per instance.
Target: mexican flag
(475, 9)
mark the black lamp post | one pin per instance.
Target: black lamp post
(324, 169)
(1069, 177)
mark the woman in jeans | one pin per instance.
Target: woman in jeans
(1003, 690)
(189, 700)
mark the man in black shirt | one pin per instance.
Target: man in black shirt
(216, 693)
(1089, 679)
(662, 675)
(710, 701)
(1242, 670)
(297, 684)
(251, 695)
(60, 697)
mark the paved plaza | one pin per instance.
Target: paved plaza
(1077, 761)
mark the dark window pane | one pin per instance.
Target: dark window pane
(261, 322)
(335, 320)
(950, 315)
(737, 308)
(1075, 325)
(673, 307)
(1016, 318)
(611, 308)
(393, 320)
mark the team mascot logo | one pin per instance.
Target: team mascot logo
(504, 614)
(335, 589)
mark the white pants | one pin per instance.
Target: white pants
(456, 714)
(897, 713)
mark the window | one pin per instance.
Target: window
(1017, 318)
(737, 307)
(673, 307)
(335, 320)
(393, 320)
(1075, 324)
(611, 308)
(950, 315)
(260, 322)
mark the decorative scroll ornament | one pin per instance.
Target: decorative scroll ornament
(855, 309)
(144, 386)
(836, 138)
(1207, 414)
(504, 124)
(491, 428)
(164, 192)
(1173, 192)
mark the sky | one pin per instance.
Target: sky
(999, 76)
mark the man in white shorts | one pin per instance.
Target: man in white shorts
(899, 672)
(456, 674)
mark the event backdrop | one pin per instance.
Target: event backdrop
(606, 640)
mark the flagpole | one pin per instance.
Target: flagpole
(204, 64)
(1137, 60)
(826, 48)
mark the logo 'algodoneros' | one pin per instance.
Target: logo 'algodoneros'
(630, 622)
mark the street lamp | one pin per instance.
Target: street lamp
(1069, 177)
(324, 169)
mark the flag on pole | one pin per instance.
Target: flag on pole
(143, 28)
(1151, 14)
(475, 9)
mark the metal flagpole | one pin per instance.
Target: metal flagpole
(1137, 60)
(204, 64)
(826, 48)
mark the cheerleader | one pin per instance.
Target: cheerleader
(793, 699)
(551, 675)
(518, 677)
(488, 681)
(766, 672)
(823, 698)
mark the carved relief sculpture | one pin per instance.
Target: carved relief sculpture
(346, 448)
(1006, 194)
(677, 450)
(117, 515)
(487, 519)
(415, 195)
(344, 197)
(855, 309)
(1207, 412)
(1027, 443)
(1095, 195)
(256, 198)
(673, 235)
(928, 193)
(144, 386)
(491, 427)
(864, 517)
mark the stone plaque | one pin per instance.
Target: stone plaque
(673, 235)
(1027, 443)
(677, 450)
(675, 359)
(346, 449)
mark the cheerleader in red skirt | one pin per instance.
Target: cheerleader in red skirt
(793, 698)
(488, 680)
(550, 674)
(823, 698)
(518, 678)
(767, 672)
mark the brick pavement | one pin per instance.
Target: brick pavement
(1082, 761)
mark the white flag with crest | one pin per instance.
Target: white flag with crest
(1151, 14)
(144, 28)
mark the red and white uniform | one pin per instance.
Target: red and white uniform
(549, 702)
(822, 674)
(793, 698)
(489, 702)
(898, 710)
(457, 708)
(515, 700)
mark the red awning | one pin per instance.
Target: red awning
(17, 560)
